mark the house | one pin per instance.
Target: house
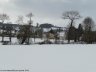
(5, 27)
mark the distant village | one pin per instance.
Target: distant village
(11, 30)
(27, 34)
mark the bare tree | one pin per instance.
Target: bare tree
(4, 17)
(25, 31)
(30, 15)
(88, 24)
(20, 20)
(71, 15)
(8, 31)
(24, 34)
(89, 34)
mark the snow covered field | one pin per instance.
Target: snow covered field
(49, 58)
(37, 40)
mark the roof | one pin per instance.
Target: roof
(7, 25)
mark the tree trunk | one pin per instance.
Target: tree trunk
(72, 23)
(3, 36)
(10, 37)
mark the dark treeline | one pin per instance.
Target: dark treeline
(27, 33)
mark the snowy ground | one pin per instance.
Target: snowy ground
(15, 40)
(49, 58)
(37, 40)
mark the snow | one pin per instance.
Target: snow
(37, 40)
(49, 58)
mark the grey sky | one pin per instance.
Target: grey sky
(47, 10)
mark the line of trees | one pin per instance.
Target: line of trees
(83, 33)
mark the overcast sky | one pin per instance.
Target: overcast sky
(47, 11)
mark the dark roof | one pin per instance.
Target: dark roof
(46, 25)
(7, 25)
